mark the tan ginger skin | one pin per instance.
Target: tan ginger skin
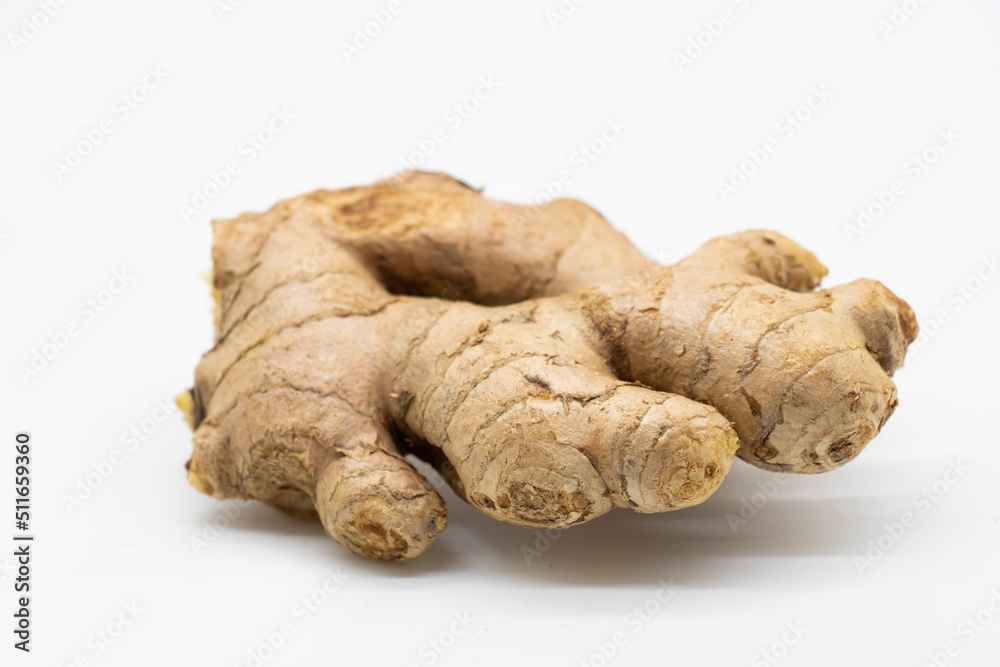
(573, 375)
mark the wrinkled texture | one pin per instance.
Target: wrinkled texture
(532, 355)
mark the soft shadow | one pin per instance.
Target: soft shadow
(698, 546)
(804, 517)
(262, 519)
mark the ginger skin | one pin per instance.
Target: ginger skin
(532, 355)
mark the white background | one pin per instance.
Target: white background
(796, 561)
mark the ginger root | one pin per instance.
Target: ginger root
(545, 367)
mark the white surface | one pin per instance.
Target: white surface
(734, 593)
